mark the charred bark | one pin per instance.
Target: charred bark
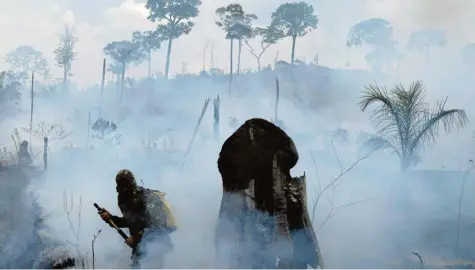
(263, 211)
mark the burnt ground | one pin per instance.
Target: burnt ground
(429, 221)
(22, 223)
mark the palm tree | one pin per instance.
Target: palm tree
(405, 121)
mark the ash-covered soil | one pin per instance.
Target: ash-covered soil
(25, 240)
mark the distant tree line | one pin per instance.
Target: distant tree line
(174, 19)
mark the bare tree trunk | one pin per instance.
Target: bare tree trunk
(239, 56)
(347, 56)
(149, 64)
(167, 65)
(231, 65)
(276, 105)
(65, 77)
(31, 107)
(294, 39)
(216, 103)
(122, 84)
(203, 111)
(45, 153)
(459, 215)
(204, 56)
(284, 229)
(212, 58)
(117, 85)
(102, 84)
(88, 128)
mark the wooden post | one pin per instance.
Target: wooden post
(102, 85)
(276, 107)
(31, 109)
(88, 128)
(203, 111)
(45, 153)
(231, 69)
(216, 103)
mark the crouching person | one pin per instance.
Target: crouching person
(148, 217)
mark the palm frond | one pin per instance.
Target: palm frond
(410, 108)
(385, 116)
(379, 143)
(428, 128)
(405, 121)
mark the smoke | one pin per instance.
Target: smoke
(27, 242)
(439, 14)
(365, 207)
(373, 217)
(408, 16)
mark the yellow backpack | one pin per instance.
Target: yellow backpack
(159, 211)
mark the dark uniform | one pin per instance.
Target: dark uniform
(131, 199)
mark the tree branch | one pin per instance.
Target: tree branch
(333, 184)
(421, 261)
(319, 184)
(341, 175)
(337, 157)
(94, 238)
(251, 50)
(68, 208)
(334, 209)
(264, 47)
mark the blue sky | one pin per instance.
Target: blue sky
(38, 24)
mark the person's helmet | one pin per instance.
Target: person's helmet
(125, 180)
(24, 143)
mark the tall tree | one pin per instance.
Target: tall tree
(9, 96)
(175, 15)
(148, 42)
(267, 38)
(373, 32)
(116, 69)
(423, 40)
(237, 25)
(65, 52)
(405, 121)
(242, 31)
(227, 17)
(24, 60)
(378, 34)
(294, 20)
(382, 56)
(124, 52)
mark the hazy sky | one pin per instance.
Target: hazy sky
(38, 24)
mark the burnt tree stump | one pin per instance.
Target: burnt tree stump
(263, 214)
